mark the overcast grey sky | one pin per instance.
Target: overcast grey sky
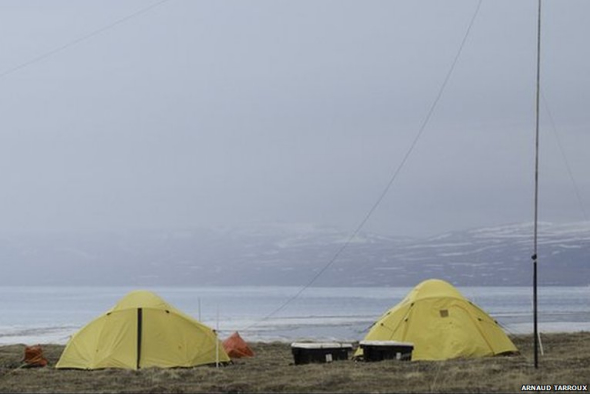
(200, 113)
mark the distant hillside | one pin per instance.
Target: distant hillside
(292, 254)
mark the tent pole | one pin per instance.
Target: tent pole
(139, 334)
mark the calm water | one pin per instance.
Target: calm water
(51, 314)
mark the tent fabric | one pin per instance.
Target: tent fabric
(442, 324)
(141, 331)
(236, 347)
(34, 356)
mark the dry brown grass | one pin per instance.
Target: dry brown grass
(566, 361)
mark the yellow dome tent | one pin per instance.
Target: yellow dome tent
(141, 331)
(442, 324)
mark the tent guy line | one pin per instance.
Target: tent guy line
(564, 157)
(78, 40)
(389, 184)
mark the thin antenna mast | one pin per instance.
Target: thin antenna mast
(534, 257)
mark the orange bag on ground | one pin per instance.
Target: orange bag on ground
(34, 356)
(236, 347)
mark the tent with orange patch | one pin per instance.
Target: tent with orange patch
(236, 347)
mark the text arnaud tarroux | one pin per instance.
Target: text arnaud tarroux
(554, 387)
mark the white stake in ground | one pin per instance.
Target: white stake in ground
(217, 340)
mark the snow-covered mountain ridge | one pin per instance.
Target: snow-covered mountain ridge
(292, 254)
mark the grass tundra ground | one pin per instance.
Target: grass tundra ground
(566, 361)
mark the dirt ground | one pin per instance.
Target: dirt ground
(566, 361)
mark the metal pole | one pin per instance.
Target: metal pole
(534, 257)
(217, 340)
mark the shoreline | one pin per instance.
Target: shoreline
(566, 361)
(545, 328)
